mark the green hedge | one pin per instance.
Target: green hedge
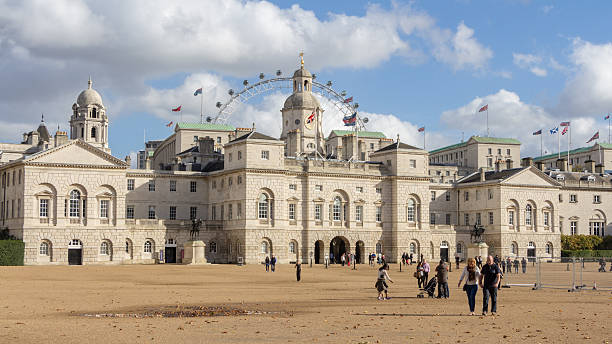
(586, 253)
(11, 252)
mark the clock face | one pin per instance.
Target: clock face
(309, 120)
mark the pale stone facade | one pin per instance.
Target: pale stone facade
(74, 203)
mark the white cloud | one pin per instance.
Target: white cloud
(530, 62)
(590, 89)
(460, 50)
(547, 8)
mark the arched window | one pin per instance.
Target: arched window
(212, 247)
(127, 246)
(528, 215)
(93, 113)
(378, 248)
(549, 248)
(514, 248)
(413, 249)
(104, 249)
(75, 203)
(459, 248)
(305, 85)
(263, 206)
(337, 209)
(148, 246)
(264, 247)
(411, 210)
(444, 244)
(93, 132)
(44, 248)
(292, 247)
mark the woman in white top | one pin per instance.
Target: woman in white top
(381, 284)
(471, 273)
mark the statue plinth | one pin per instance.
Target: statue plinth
(478, 249)
(194, 252)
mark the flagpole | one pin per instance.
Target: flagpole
(569, 145)
(201, 106)
(559, 143)
(609, 119)
(423, 139)
(541, 145)
(487, 120)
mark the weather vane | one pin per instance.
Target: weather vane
(302, 58)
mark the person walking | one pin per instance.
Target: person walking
(503, 265)
(343, 259)
(419, 273)
(516, 265)
(426, 269)
(411, 259)
(267, 261)
(273, 263)
(524, 264)
(479, 262)
(298, 270)
(457, 260)
(489, 281)
(381, 282)
(331, 257)
(509, 265)
(472, 275)
(442, 274)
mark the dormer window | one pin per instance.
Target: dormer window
(94, 114)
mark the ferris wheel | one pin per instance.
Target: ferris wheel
(278, 82)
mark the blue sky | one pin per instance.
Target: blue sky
(408, 64)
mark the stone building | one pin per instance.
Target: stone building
(300, 196)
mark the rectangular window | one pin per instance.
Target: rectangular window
(378, 214)
(230, 157)
(490, 192)
(239, 180)
(489, 162)
(193, 186)
(448, 219)
(573, 227)
(490, 151)
(318, 209)
(291, 211)
(218, 139)
(432, 218)
(499, 151)
(433, 195)
(491, 218)
(193, 213)
(359, 213)
(412, 163)
(292, 187)
(265, 155)
(447, 196)
(172, 215)
(371, 146)
(238, 210)
(151, 212)
(466, 219)
(507, 151)
(477, 195)
(574, 198)
(151, 185)
(104, 208)
(239, 155)
(230, 181)
(44, 208)
(478, 222)
(222, 207)
(466, 196)
(378, 190)
(596, 199)
(230, 212)
(214, 184)
(511, 217)
(129, 212)
(359, 189)
(130, 184)
(213, 212)
(318, 187)
(546, 217)
(172, 185)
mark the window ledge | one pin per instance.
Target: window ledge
(292, 222)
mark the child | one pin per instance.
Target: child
(381, 284)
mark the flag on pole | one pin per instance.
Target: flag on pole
(421, 129)
(350, 120)
(169, 124)
(595, 137)
(565, 124)
(348, 100)
(484, 108)
(177, 109)
(564, 131)
(198, 91)
(554, 130)
(607, 117)
(539, 132)
(310, 118)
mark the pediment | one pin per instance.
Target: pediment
(530, 176)
(76, 153)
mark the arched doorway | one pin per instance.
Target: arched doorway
(170, 251)
(359, 252)
(337, 246)
(75, 252)
(319, 252)
(444, 251)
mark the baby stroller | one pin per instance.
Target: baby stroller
(430, 288)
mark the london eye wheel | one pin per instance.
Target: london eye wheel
(278, 82)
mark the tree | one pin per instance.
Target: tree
(580, 242)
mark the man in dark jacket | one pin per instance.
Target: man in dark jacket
(442, 274)
(267, 263)
(490, 276)
(273, 263)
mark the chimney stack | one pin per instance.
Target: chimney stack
(509, 164)
(128, 160)
(562, 165)
(482, 174)
(526, 162)
(590, 165)
(540, 165)
(599, 168)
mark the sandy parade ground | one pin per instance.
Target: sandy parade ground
(156, 304)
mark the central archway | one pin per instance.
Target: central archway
(359, 252)
(337, 247)
(319, 252)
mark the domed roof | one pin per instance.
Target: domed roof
(302, 73)
(89, 96)
(301, 100)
